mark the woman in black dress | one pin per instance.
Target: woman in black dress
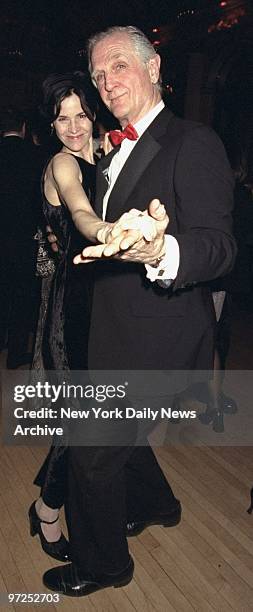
(68, 184)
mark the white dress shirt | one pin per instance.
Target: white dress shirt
(168, 267)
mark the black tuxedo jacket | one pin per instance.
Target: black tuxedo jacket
(135, 323)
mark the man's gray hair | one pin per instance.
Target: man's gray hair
(141, 43)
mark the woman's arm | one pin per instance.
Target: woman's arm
(66, 176)
(113, 236)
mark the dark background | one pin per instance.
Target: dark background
(206, 48)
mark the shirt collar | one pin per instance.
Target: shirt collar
(144, 122)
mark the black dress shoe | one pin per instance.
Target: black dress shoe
(228, 404)
(69, 580)
(212, 416)
(218, 422)
(170, 519)
(207, 417)
(58, 550)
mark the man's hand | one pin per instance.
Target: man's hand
(136, 237)
(106, 144)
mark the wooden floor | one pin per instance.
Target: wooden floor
(203, 564)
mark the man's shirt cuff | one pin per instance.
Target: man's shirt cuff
(168, 267)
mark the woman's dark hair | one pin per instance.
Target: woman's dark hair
(57, 87)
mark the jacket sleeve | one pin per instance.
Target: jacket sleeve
(204, 186)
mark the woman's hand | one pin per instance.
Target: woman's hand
(144, 231)
(52, 239)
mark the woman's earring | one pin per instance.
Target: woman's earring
(52, 129)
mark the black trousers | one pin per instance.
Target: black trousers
(78, 298)
(108, 487)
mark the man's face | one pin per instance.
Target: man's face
(126, 85)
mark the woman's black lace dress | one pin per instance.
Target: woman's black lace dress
(62, 335)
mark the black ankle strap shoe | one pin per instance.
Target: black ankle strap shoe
(58, 550)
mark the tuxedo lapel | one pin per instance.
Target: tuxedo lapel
(144, 151)
(138, 160)
(101, 180)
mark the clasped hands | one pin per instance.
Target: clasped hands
(136, 237)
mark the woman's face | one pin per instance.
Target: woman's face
(72, 126)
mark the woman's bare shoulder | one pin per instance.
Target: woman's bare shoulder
(63, 158)
(63, 164)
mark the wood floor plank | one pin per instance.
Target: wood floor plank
(240, 459)
(221, 541)
(227, 460)
(151, 590)
(120, 600)
(205, 564)
(162, 579)
(194, 596)
(232, 503)
(200, 492)
(139, 600)
(102, 601)
(207, 583)
(239, 577)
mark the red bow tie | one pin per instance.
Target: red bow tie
(116, 136)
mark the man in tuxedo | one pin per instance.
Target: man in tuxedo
(18, 216)
(150, 309)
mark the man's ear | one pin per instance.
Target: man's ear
(154, 68)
